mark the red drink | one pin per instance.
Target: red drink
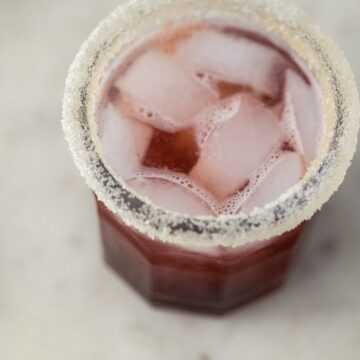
(206, 140)
(209, 119)
(181, 154)
(215, 280)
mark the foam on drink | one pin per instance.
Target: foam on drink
(209, 119)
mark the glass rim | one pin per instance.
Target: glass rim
(341, 110)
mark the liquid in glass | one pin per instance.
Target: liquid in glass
(206, 119)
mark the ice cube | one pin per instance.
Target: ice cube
(235, 59)
(158, 83)
(124, 141)
(142, 135)
(284, 175)
(170, 196)
(236, 148)
(306, 101)
(131, 109)
(289, 125)
(211, 117)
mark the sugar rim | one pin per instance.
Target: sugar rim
(341, 109)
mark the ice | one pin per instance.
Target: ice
(218, 124)
(177, 152)
(284, 175)
(235, 59)
(124, 141)
(156, 82)
(307, 106)
(170, 196)
(289, 125)
(236, 148)
(233, 204)
(142, 135)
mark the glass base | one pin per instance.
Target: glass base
(216, 281)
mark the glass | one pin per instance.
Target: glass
(215, 279)
(207, 263)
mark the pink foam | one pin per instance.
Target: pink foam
(170, 195)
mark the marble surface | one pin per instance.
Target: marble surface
(58, 300)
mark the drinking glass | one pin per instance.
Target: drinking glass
(207, 263)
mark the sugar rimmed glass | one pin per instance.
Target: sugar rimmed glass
(202, 262)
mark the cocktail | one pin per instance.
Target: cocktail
(210, 132)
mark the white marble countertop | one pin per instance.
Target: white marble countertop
(58, 300)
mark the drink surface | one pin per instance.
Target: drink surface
(206, 119)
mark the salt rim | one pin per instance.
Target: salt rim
(341, 109)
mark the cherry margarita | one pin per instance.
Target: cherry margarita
(210, 120)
